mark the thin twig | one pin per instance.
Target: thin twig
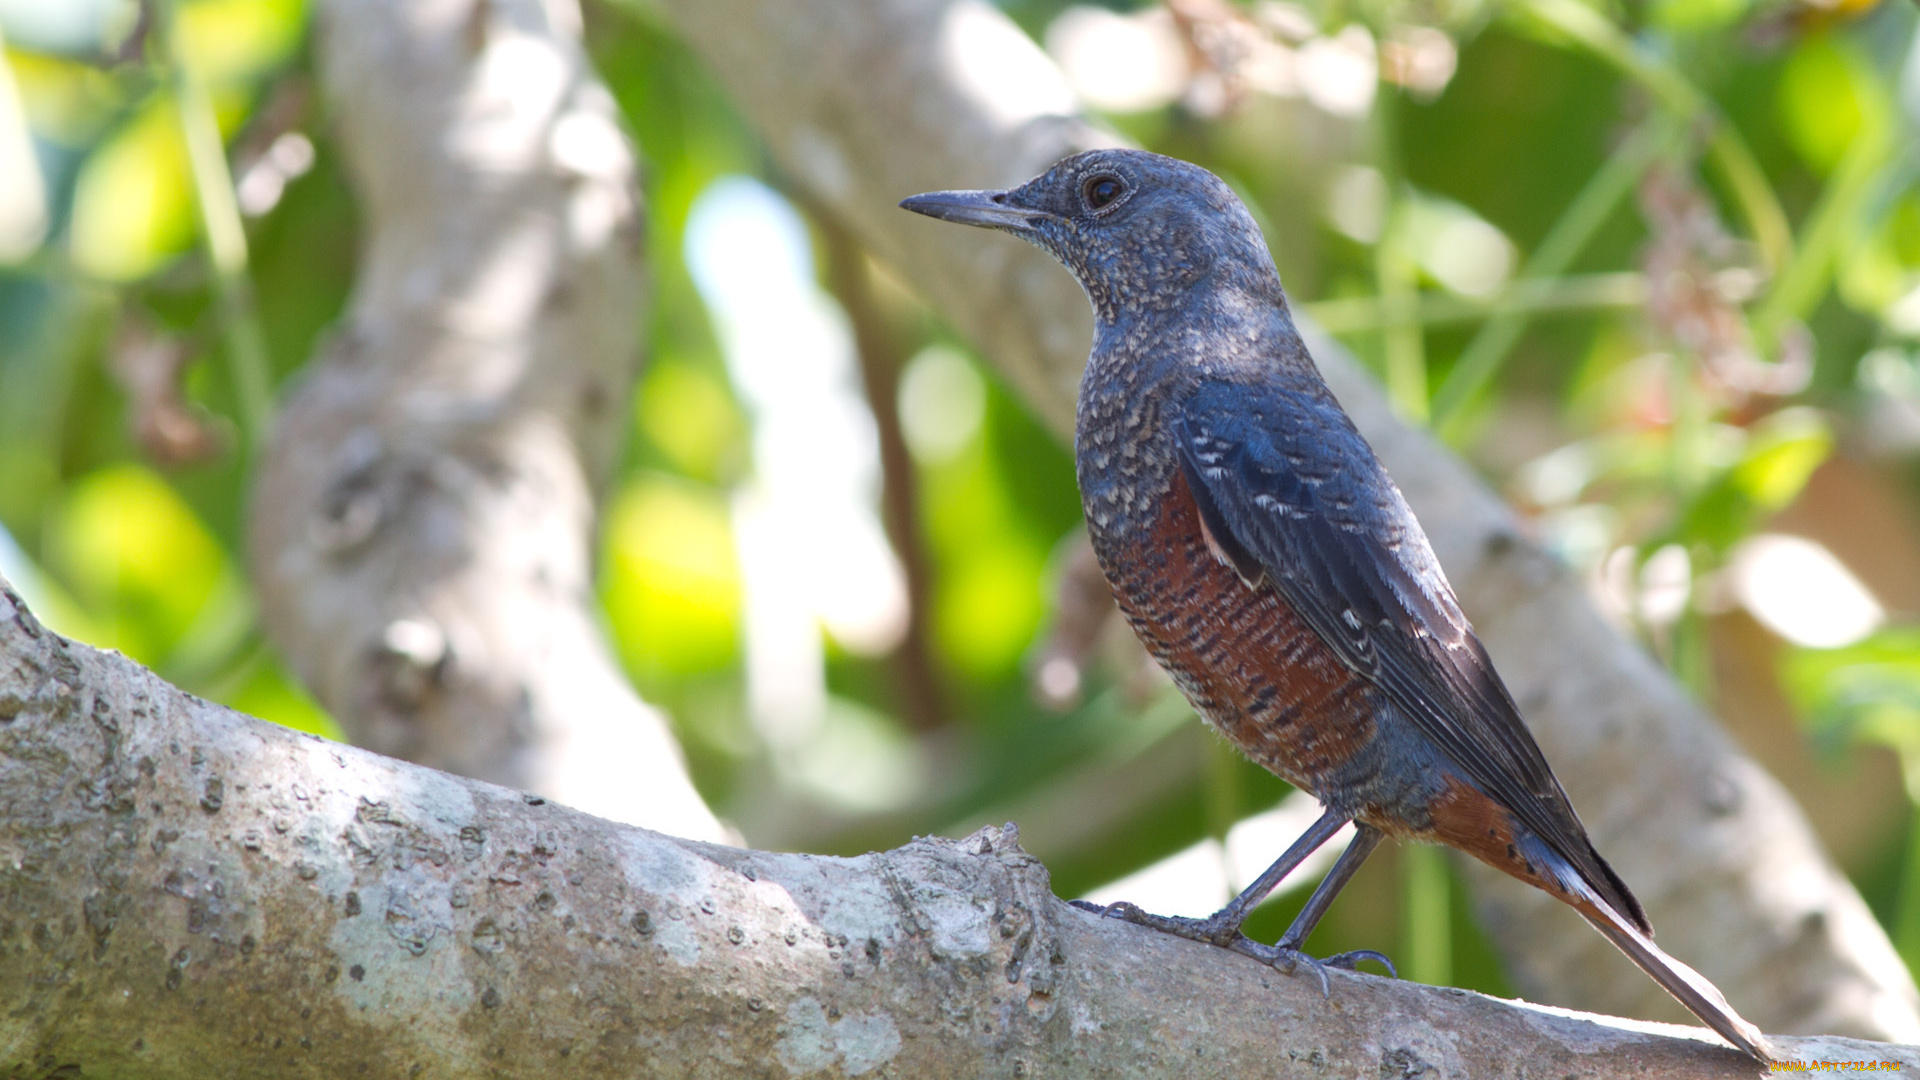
(880, 362)
(226, 240)
(1483, 355)
(1803, 280)
(1728, 152)
(1574, 293)
(1403, 341)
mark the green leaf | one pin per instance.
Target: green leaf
(1778, 456)
(139, 558)
(1865, 692)
(1782, 452)
(670, 581)
(1829, 94)
(1695, 16)
(133, 204)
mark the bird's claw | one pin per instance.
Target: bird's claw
(1319, 968)
(1124, 910)
(1288, 959)
(1206, 931)
(1284, 956)
(1350, 961)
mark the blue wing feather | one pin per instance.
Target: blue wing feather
(1300, 503)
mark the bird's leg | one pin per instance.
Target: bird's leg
(1286, 953)
(1365, 839)
(1223, 926)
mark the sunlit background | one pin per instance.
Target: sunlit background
(1695, 365)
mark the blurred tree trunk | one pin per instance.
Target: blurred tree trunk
(422, 526)
(185, 892)
(867, 103)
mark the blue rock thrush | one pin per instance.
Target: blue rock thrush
(1261, 552)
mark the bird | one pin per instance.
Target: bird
(1268, 562)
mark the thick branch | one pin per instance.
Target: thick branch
(422, 526)
(188, 892)
(867, 103)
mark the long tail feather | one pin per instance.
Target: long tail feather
(1688, 986)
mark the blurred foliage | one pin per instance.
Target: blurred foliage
(1870, 692)
(1655, 265)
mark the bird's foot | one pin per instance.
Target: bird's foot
(1226, 934)
(1289, 958)
(1210, 931)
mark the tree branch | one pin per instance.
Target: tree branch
(188, 892)
(881, 360)
(422, 525)
(867, 103)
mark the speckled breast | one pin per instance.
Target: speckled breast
(1250, 666)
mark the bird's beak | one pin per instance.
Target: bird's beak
(987, 209)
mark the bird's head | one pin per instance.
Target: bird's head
(1139, 231)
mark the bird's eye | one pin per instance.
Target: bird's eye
(1102, 190)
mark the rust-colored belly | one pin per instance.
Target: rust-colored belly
(1250, 666)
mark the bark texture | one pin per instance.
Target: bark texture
(868, 103)
(422, 524)
(186, 892)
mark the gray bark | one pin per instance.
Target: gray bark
(422, 528)
(186, 892)
(867, 103)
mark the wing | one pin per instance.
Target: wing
(1296, 497)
